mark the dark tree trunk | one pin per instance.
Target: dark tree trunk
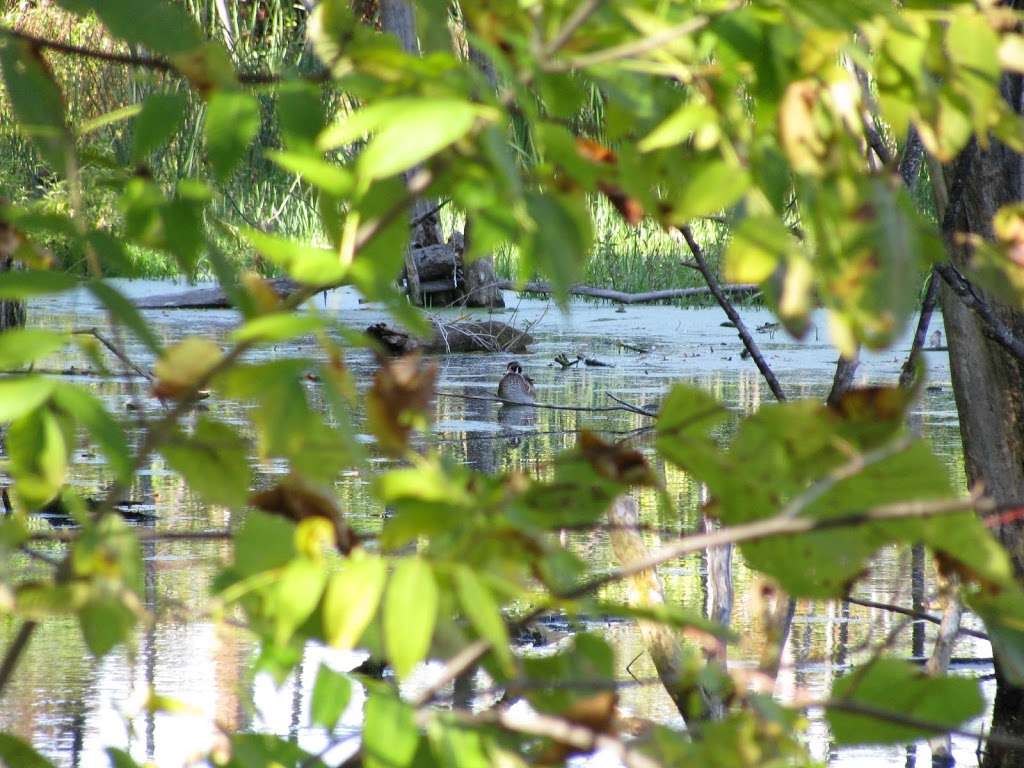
(988, 381)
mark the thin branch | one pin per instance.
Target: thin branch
(856, 464)
(17, 647)
(545, 406)
(912, 614)
(733, 315)
(931, 294)
(576, 19)
(639, 47)
(152, 63)
(781, 526)
(114, 349)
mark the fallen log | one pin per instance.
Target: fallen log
(627, 298)
(213, 297)
(454, 337)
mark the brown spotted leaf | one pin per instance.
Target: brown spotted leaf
(400, 400)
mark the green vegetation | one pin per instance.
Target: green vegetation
(763, 109)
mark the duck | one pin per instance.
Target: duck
(516, 387)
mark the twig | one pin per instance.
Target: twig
(734, 316)
(14, 652)
(923, 321)
(546, 406)
(576, 19)
(912, 614)
(114, 350)
(631, 407)
(639, 47)
(782, 526)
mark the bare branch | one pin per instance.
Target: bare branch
(734, 316)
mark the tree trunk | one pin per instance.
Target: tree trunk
(988, 382)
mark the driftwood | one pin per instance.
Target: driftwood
(457, 336)
(628, 298)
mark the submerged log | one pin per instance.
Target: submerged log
(458, 336)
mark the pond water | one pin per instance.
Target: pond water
(72, 706)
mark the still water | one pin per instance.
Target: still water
(71, 706)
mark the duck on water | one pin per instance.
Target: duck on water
(515, 387)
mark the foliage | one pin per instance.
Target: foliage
(751, 108)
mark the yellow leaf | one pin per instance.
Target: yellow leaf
(184, 365)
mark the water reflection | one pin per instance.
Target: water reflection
(72, 706)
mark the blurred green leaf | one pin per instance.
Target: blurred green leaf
(214, 461)
(232, 122)
(409, 614)
(102, 426)
(390, 735)
(308, 264)
(22, 284)
(263, 542)
(20, 346)
(331, 695)
(156, 24)
(37, 101)
(893, 688)
(294, 596)
(484, 614)
(124, 311)
(351, 600)
(163, 113)
(105, 624)
(15, 752)
(278, 326)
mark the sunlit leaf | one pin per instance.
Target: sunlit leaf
(351, 600)
(484, 613)
(184, 365)
(105, 624)
(295, 595)
(102, 426)
(19, 346)
(331, 695)
(390, 734)
(409, 614)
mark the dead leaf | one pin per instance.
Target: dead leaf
(297, 500)
(400, 400)
(614, 461)
(183, 366)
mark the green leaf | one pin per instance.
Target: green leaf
(23, 394)
(124, 311)
(215, 461)
(711, 188)
(14, 751)
(162, 115)
(425, 128)
(900, 689)
(484, 613)
(300, 115)
(263, 542)
(351, 600)
(156, 24)
(295, 596)
(120, 759)
(261, 750)
(104, 428)
(38, 102)
(331, 695)
(410, 612)
(20, 346)
(459, 745)
(390, 736)
(560, 240)
(23, 284)
(279, 326)
(308, 264)
(110, 252)
(328, 177)
(105, 623)
(232, 122)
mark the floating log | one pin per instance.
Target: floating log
(213, 297)
(627, 298)
(458, 336)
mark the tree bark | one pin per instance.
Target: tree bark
(988, 382)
